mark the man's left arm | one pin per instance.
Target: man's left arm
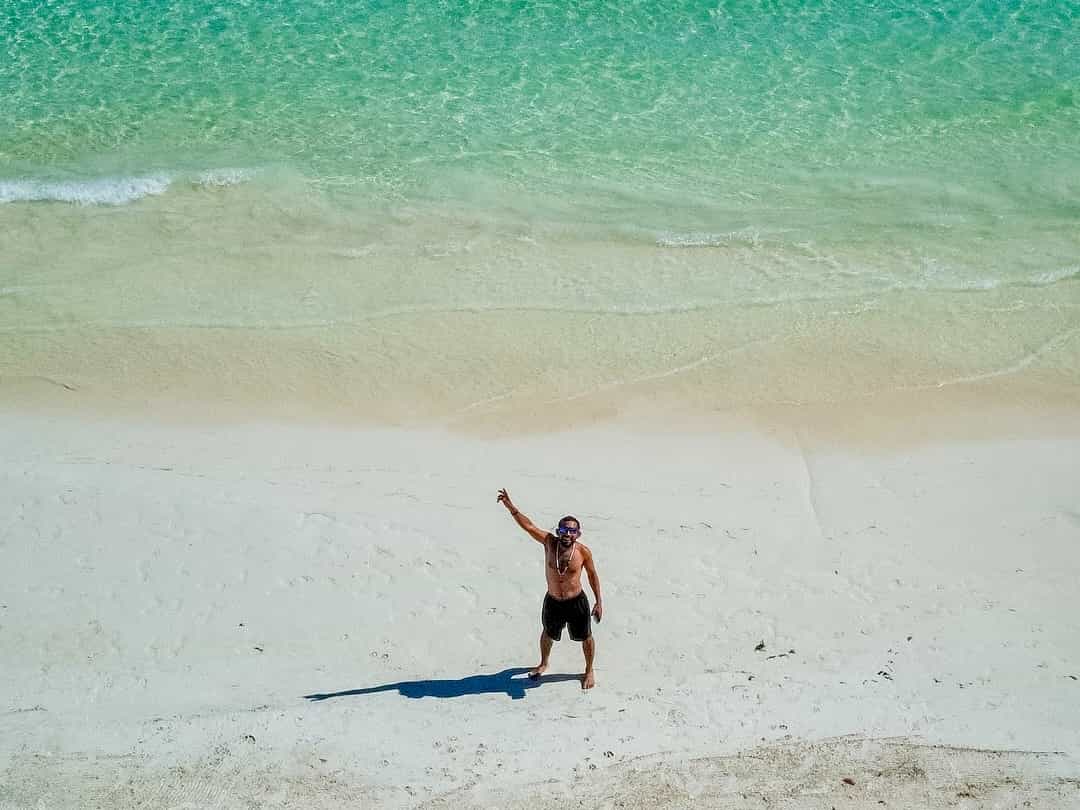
(594, 583)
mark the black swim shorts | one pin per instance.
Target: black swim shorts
(572, 612)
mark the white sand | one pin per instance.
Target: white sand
(170, 594)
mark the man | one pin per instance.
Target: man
(565, 603)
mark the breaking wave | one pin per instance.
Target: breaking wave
(114, 190)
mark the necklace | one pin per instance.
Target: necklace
(563, 569)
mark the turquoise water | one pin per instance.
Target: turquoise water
(891, 184)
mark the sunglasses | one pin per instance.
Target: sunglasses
(566, 531)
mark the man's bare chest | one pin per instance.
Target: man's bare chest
(563, 563)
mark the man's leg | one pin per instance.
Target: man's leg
(588, 646)
(545, 653)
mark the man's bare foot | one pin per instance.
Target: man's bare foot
(536, 672)
(588, 680)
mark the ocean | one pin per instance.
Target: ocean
(434, 209)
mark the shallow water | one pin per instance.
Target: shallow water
(468, 203)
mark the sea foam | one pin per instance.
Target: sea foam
(113, 190)
(101, 191)
(219, 178)
(746, 237)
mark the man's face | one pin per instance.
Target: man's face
(568, 532)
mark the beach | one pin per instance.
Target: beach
(781, 300)
(301, 615)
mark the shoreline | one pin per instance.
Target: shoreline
(1019, 406)
(469, 350)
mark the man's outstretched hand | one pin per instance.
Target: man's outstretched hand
(504, 499)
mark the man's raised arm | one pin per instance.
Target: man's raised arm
(538, 534)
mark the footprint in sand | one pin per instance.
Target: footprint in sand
(473, 598)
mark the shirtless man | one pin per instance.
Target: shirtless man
(565, 602)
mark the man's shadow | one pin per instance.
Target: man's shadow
(512, 681)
